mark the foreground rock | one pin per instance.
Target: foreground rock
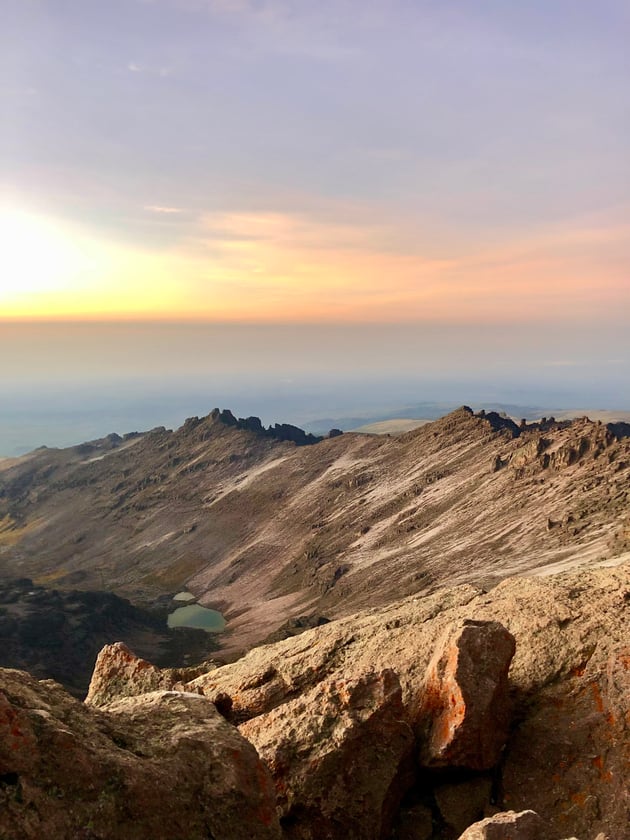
(164, 764)
(348, 719)
(568, 747)
(335, 754)
(118, 672)
(526, 825)
(465, 703)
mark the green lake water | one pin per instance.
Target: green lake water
(193, 615)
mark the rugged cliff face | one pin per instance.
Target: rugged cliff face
(269, 532)
(410, 721)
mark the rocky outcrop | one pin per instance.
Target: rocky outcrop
(526, 825)
(164, 764)
(500, 423)
(118, 673)
(465, 705)
(335, 754)
(355, 726)
(279, 431)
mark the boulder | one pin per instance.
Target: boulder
(508, 825)
(163, 764)
(207, 762)
(336, 756)
(465, 709)
(118, 672)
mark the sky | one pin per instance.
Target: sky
(394, 173)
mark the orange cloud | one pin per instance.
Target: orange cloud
(272, 266)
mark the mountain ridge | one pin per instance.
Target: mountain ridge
(267, 531)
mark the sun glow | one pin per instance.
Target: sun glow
(271, 266)
(50, 270)
(37, 256)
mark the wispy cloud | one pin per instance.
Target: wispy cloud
(263, 264)
(158, 208)
(162, 71)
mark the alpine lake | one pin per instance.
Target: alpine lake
(194, 615)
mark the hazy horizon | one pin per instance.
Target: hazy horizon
(64, 383)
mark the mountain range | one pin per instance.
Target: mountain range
(272, 525)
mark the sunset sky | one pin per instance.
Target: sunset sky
(440, 164)
(269, 160)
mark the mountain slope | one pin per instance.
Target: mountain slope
(265, 530)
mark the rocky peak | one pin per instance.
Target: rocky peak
(619, 430)
(279, 431)
(500, 423)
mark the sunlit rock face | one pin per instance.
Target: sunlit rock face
(466, 706)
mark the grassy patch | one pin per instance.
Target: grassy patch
(50, 577)
(11, 532)
(176, 574)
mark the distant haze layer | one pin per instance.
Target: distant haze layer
(62, 383)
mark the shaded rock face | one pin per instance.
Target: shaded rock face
(463, 802)
(619, 430)
(164, 764)
(295, 626)
(581, 733)
(335, 754)
(465, 704)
